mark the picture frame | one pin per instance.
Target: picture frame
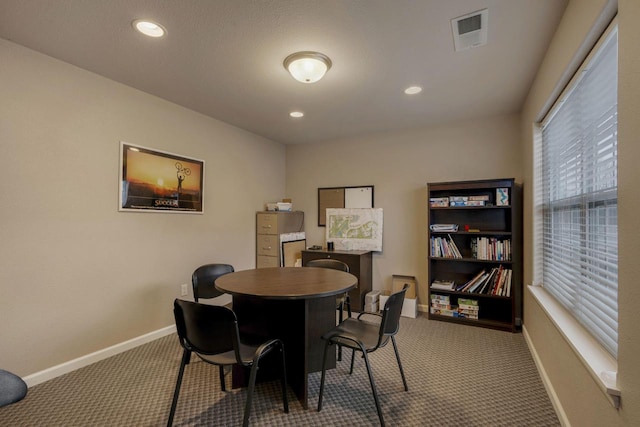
(158, 181)
(292, 251)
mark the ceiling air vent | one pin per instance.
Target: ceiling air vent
(470, 30)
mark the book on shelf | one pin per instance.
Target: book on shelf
(468, 203)
(482, 197)
(439, 202)
(444, 228)
(442, 311)
(446, 285)
(468, 302)
(464, 315)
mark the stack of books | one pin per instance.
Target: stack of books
(467, 308)
(441, 304)
(480, 200)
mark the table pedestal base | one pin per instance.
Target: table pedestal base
(299, 323)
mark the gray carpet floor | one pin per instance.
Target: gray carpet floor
(457, 376)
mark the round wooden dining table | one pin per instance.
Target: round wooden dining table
(294, 304)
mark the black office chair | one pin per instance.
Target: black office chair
(343, 300)
(367, 337)
(203, 278)
(211, 332)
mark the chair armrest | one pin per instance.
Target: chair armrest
(266, 347)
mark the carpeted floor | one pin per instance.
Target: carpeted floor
(457, 376)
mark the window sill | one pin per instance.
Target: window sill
(600, 364)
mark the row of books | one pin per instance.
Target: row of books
(466, 308)
(490, 248)
(444, 248)
(443, 202)
(497, 281)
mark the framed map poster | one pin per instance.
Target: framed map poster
(355, 229)
(152, 180)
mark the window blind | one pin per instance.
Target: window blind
(577, 233)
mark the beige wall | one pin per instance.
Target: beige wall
(76, 275)
(582, 401)
(399, 165)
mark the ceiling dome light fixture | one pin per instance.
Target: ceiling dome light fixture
(307, 67)
(296, 114)
(149, 28)
(412, 90)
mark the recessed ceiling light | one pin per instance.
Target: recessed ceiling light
(149, 28)
(412, 90)
(296, 114)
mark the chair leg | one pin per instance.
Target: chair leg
(373, 387)
(340, 314)
(186, 355)
(395, 348)
(353, 356)
(222, 384)
(347, 302)
(285, 399)
(252, 385)
(324, 371)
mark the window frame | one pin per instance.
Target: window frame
(599, 362)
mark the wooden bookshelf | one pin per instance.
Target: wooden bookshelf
(494, 225)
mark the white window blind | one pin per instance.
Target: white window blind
(577, 199)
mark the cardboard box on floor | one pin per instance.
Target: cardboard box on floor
(410, 306)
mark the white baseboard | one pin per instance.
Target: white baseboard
(423, 308)
(80, 362)
(562, 416)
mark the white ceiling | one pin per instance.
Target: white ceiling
(223, 58)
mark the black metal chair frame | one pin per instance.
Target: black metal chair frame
(336, 265)
(344, 300)
(203, 278)
(360, 335)
(211, 332)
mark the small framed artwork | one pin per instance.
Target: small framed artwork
(502, 197)
(292, 251)
(157, 181)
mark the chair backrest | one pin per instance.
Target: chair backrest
(328, 263)
(391, 314)
(206, 329)
(203, 278)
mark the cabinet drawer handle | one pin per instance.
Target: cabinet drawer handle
(267, 248)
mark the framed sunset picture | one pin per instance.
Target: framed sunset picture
(157, 181)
